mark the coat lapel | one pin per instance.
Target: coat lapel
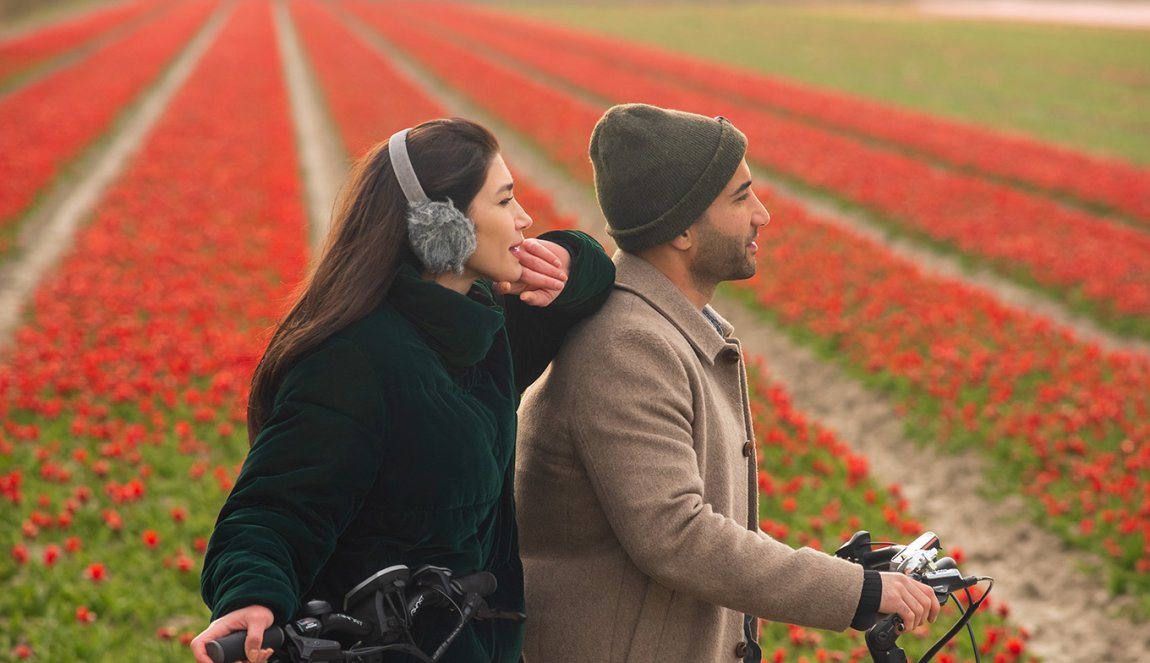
(639, 277)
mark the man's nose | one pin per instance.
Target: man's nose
(761, 217)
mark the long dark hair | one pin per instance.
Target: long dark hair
(367, 242)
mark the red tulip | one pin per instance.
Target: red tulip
(96, 572)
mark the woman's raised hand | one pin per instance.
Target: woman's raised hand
(255, 618)
(545, 267)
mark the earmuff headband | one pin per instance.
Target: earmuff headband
(440, 235)
(404, 172)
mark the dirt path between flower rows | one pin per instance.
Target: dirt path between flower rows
(1069, 614)
(46, 235)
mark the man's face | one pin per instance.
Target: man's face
(725, 235)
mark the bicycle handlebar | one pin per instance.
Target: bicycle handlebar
(231, 647)
(919, 560)
(386, 597)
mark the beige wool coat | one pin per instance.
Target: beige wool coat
(636, 490)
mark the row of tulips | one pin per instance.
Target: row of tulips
(122, 397)
(47, 125)
(518, 100)
(1058, 416)
(1063, 421)
(1093, 180)
(30, 51)
(350, 70)
(814, 491)
(1094, 265)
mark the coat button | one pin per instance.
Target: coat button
(741, 649)
(748, 448)
(729, 355)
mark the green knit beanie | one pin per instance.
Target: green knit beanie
(658, 170)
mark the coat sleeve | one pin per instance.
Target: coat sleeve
(303, 481)
(639, 455)
(536, 332)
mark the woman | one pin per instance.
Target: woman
(382, 415)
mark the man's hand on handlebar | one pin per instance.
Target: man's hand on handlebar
(255, 618)
(910, 599)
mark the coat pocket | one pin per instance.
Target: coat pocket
(647, 643)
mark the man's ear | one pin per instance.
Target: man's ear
(684, 240)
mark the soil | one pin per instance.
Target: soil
(322, 155)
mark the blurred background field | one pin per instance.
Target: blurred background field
(121, 397)
(1082, 87)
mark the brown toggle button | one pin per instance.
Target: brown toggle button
(741, 649)
(747, 449)
(729, 355)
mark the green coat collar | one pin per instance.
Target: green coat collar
(460, 328)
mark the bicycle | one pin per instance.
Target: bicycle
(377, 618)
(918, 559)
(378, 614)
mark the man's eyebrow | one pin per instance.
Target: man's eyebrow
(746, 185)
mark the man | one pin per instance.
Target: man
(636, 474)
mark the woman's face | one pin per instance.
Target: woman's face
(499, 225)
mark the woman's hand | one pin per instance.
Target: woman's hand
(545, 267)
(911, 599)
(255, 618)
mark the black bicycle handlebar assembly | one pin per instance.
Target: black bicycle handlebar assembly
(379, 613)
(919, 560)
(377, 617)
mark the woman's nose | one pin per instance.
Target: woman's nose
(522, 219)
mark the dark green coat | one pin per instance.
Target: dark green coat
(394, 443)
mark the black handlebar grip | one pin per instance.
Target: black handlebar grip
(482, 583)
(230, 648)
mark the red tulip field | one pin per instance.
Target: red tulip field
(124, 382)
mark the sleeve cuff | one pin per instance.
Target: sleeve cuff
(592, 272)
(869, 601)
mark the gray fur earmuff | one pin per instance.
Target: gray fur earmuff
(442, 237)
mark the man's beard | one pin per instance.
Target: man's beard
(721, 258)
